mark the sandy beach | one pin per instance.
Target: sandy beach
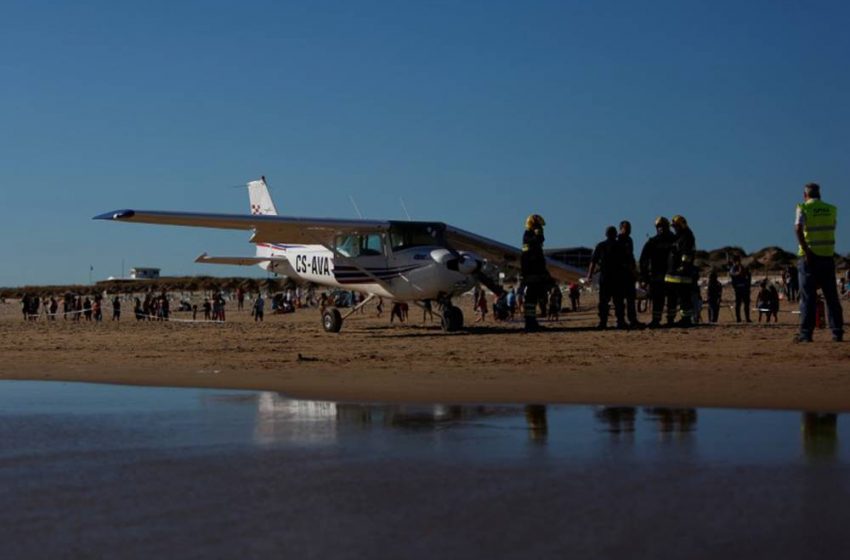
(723, 365)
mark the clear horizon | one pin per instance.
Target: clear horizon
(476, 114)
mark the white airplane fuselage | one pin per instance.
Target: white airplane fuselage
(410, 274)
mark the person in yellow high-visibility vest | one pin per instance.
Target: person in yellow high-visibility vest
(815, 228)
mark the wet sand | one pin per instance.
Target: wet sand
(726, 365)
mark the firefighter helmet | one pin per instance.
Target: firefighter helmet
(661, 221)
(534, 221)
(679, 221)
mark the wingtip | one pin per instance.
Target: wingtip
(116, 215)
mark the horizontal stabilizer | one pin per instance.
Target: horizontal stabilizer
(238, 261)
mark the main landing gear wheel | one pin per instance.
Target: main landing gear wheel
(332, 320)
(452, 319)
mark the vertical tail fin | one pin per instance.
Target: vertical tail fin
(261, 200)
(261, 205)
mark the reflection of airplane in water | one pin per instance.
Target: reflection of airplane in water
(296, 421)
(281, 418)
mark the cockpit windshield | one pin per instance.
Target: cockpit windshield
(404, 235)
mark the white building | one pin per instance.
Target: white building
(140, 273)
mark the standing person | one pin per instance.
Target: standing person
(116, 308)
(815, 229)
(680, 272)
(793, 283)
(714, 294)
(395, 311)
(624, 238)
(259, 308)
(608, 257)
(575, 296)
(87, 308)
(654, 259)
(535, 276)
(741, 282)
(510, 299)
(555, 302)
(427, 311)
(773, 303)
(481, 306)
(763, 301)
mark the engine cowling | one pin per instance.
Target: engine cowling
(465, 263)
(469, 263)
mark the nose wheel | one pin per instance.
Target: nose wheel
(452, 319)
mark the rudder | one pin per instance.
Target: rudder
(261, 200)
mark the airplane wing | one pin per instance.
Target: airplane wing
(502, 254)
(267, 229)
(321, 231)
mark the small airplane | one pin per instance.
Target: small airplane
(402, 261)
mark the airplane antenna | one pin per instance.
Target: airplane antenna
(356, 209)
(403, 207)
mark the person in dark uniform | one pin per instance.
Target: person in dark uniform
(535, 275)
(741, 284)
(680, 273)
(624, 238)
(610, 260)
(653, 266)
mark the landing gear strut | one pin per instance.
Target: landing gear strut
(332, 319)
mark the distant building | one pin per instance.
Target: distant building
(578, 257)
(140, 273)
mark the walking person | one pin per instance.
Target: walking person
(815, 228)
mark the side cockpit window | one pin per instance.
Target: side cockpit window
(354, 245)
(405, 236)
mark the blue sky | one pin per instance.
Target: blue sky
(475, 113)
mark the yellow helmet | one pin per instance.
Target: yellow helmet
(661, 221)
(679, 221)
(534, 221)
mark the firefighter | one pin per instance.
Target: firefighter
(679, 280)
(609, 258)
(535, 275)
(653, 267)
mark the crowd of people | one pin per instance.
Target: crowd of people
(664, 274)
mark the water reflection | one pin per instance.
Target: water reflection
(673, 423)
(820, 435)
(280, 419)
(535, 417)
(617, 419)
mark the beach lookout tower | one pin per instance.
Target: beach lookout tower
(143, 273)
